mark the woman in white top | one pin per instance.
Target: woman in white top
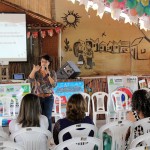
(29, 116)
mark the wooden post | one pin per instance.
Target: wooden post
(4, 72)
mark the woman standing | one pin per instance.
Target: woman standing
(43, 81)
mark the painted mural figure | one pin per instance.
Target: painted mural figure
(79, 51)
(89, 55)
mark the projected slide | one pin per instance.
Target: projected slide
(13, 37)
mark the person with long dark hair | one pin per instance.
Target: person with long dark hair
(29, 114)
(43, 80)
(75, 113)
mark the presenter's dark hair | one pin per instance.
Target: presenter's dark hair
(30, 110)
(141, 102)
(46, 57)
(76, 107)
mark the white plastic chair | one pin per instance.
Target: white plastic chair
(8, 145)
(78, 130)
(145, 123)
(141, 148)
(118, 131)
(142, 138)
(3, 136)
(147, 89)
(56, 112)
(87, 97)
(34, 138)
(120, 107)
(100, 108)
(77, 143)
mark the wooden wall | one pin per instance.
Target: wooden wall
(42, 7)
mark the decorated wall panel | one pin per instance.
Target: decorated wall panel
(102, 46)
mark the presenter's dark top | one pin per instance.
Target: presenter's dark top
(64, 123)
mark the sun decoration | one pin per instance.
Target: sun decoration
(71, 19)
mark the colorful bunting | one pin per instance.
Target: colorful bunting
(43, 33)
(134, 10)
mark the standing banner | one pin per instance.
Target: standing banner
(66, 89)
(17, 91)
(127, 84)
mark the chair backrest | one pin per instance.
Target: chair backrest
(147, 89)
(141, 148)
(3, 136)
(120, 101)
(87, 97)
(8, 145)
(7, 106)
(78, 130)
(118, 131)
(33, 138)
(100, 97)
(57, 106)
(142, 138)
(85, 143)
(144, 123)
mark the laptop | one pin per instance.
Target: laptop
(18, 76)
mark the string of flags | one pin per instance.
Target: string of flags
(43, 33)
(133, 11)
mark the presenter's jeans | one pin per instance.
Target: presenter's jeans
(47, 106)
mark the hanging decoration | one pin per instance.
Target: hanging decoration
(35, 35)
(57, 29)
(50, 32)
(133, 11)
(43, 33)
(28, 34)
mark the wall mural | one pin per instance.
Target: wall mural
(67, 45)
(71, 19)
(85, 50)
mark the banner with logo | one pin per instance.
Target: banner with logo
(17, 91)
(127, 84)
(66, 89)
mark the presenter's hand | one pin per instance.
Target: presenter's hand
(36, 68)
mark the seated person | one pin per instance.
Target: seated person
(140, 109)
(75, 113)
(29, 116)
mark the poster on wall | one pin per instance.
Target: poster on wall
(127, 84)
(17, 91)
(66, 89)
